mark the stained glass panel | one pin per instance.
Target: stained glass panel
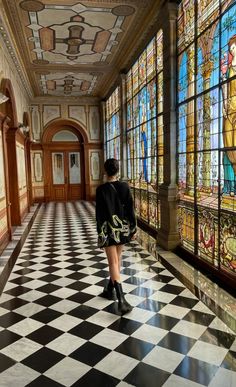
(112, 125)
(228, 242)
(151, 56)
(208, 11)
(135, 77)
(186, 227)
(186, 23)
(142, 69)
(208, 236)
(145, 130)
(206, 130)
(129, 85)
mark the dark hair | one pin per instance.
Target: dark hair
(111, 167)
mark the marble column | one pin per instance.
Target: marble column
(123, 129)
(168, 236)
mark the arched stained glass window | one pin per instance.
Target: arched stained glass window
(112, 125)
(207, 130)
(144, 83)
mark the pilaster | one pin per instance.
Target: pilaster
(168, 236)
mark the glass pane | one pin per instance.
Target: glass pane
(74, 168)
(64, 135)
(58, 168)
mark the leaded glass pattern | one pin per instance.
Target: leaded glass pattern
(207, 130)
(144, 97)
(112, 125)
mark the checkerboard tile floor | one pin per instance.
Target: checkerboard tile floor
(55, 329)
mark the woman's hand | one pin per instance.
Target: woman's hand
(133, 237)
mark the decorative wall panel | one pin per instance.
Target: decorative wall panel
(94, 123)
(78, 113)
(50, 112)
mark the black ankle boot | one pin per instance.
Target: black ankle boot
(109, 291)
(123, 305)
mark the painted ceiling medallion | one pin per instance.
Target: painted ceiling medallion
(32, 5)
(123, 10)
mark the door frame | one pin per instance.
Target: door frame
(49, 146)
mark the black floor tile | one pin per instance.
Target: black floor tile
(50, 278)
(49, 288)
(83, 312)
(14, 303)
(97, 379)
(86, 330)
(164, 278)
(7, 338)
(43, 359)
(43, 381)
(78, 285)
(172, 289)
(184, 302)
(45, 334)
(162, 321)
(199, 318)
(46, 315)
(90, 353)
(81, 298)
(21, 280)
(135, 348)
(153, 306)
(5, 363)
(229, 361)
(18, 290)
(146, 375)
(47, 300)
(196, 370)
(217, 337)
(9, 319)
(126, 326)
(135, 281)
(177, 343)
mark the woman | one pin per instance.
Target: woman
(116, 225)
(229, 118)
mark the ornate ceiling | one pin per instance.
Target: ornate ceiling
(72, 48)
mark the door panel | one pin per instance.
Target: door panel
(66, 181)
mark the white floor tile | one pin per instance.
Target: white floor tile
(116, 365)
(163, 359)
(208, 352)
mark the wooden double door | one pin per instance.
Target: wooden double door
(67, 180)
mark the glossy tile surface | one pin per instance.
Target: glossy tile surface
(55, 329)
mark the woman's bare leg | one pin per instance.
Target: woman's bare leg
(119, 249)
(113, 262)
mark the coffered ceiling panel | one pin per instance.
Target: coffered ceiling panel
(69, 47)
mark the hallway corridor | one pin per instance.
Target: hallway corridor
(55, 330)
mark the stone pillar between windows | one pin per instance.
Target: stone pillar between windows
(103, 134)
(168, 236)
(123, 128)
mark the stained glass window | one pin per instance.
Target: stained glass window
(112, 125)
(145, 130)
(207, 130)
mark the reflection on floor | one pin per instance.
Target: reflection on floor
(55, 330)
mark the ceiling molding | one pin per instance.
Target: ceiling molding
(40, 42)
(10, 45)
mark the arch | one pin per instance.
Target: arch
(10, 105)
(56, 125)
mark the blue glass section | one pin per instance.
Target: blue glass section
(183, 78)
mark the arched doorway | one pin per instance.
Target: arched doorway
(9, 128)
(64, 161)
